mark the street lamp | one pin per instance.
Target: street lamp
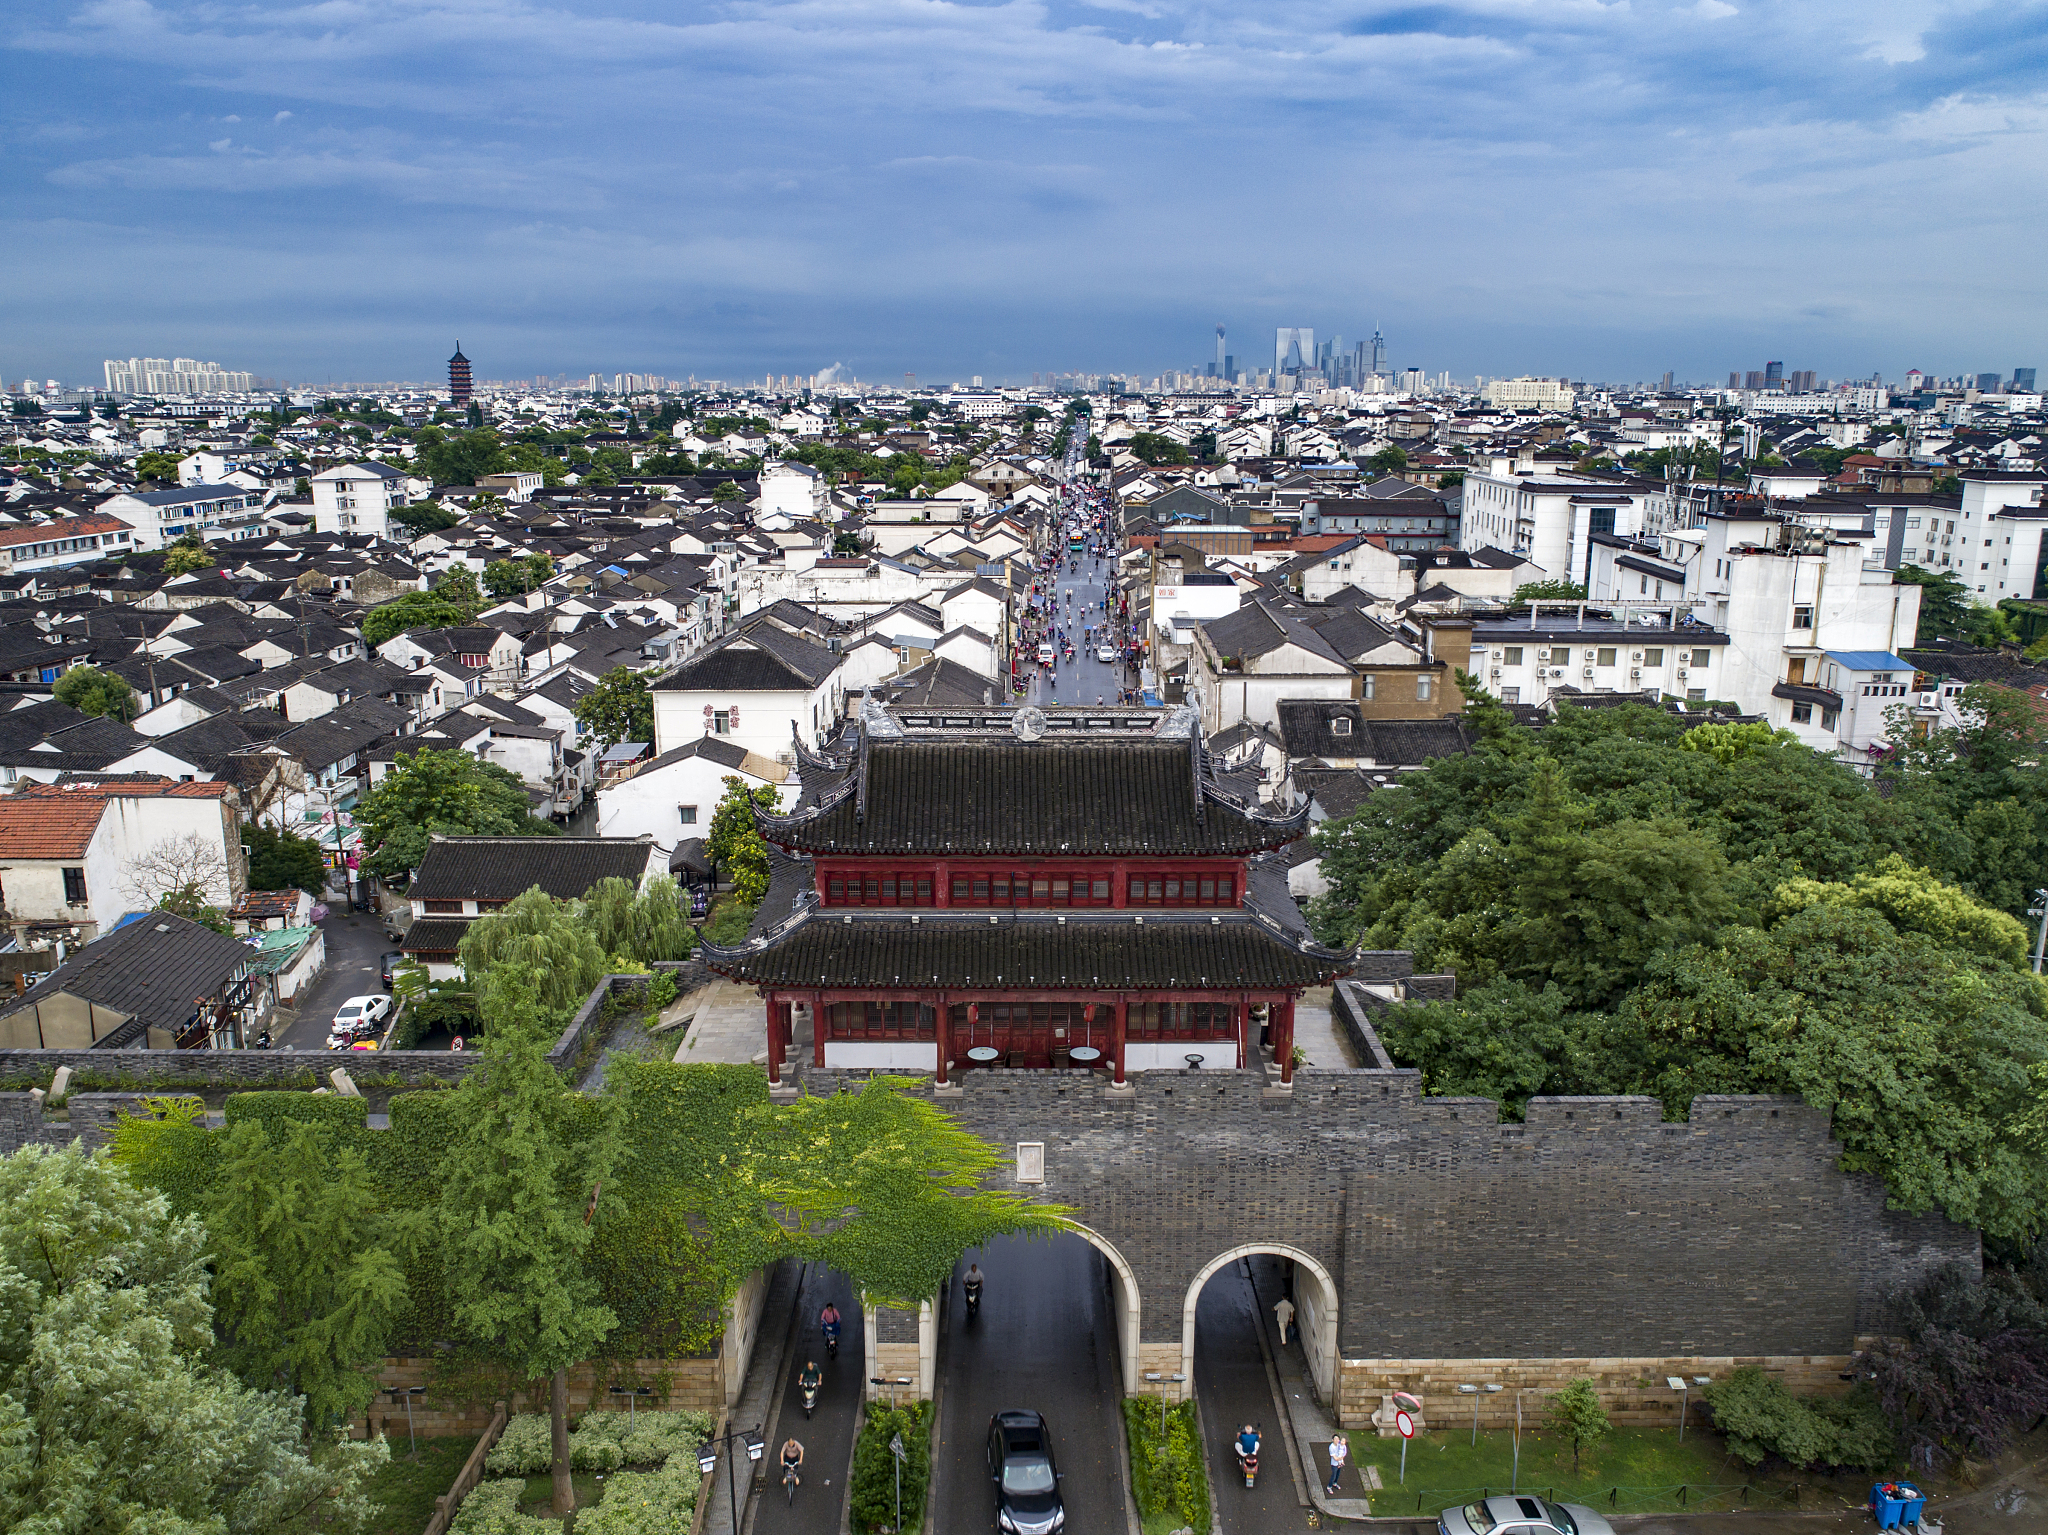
(632, 1394)
(892, 1383)
(897, 1453)
(406, 1394)
(1163, 1381)
(2040, 909)
(707, 1462)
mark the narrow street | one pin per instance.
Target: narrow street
(827, 1436)
(1046, 1341)
(1233, 1389)
(355, 946)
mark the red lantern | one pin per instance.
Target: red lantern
(1088, 1013)
(974, 1012)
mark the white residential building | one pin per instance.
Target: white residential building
(1548, 520)
(357, 498)
(1529, 393)
(759, 689)
(216, 513)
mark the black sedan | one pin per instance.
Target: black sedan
(1026, 1481)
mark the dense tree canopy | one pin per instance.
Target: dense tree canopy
(619, 708)
(449, 792)
(1636, 906)
(280, 861)
(92, 691)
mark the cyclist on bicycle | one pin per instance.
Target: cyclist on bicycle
(792, 1458)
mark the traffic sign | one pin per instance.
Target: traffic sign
(1405, 1424)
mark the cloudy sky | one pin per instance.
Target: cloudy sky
(341, 189)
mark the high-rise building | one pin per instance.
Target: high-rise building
(1379, 354)
(1294, 350)
(1734, 380)
(1666, 387)
(1774, 375)
(1987, 383)
(172, 376)
(1752, 380)
(2023, 380)
(459, 382)
(1222, 362)
(1802, 381)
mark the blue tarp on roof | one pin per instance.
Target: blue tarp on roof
(1869, 661)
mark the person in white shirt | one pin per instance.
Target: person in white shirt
(1340, 1448)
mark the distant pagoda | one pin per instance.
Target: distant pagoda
(458, 377)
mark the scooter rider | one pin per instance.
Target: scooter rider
(810, 1377)
(828, 1323)
(1247, 1441)
(972, 1285)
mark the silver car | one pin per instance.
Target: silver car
(1521, 1514)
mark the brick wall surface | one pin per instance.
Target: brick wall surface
(693, 1384)
(1592, 1230)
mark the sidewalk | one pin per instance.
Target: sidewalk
(757, 1399)
(1308, 1425)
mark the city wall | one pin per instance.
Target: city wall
(1591, 1239)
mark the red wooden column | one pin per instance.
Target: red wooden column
(942, 890)
(778, 1017)
(945, 1035)
(817, 1029)
(1283, 1036)
(1118, 1075)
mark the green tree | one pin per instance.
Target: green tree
(516, 577)
(1577, 1414)
(735, 844)
(424, 517)
(113, 1414)
(1157, 448)
(306, 1286)
(1944, 602)
(92, 691)
(189, 901)
(447, 792)
(726, 490)
(522, 1189)
(620, 707)
(415, 610)
(463, 459)
(279, 860)
(187, 555)
(160, 467)
(645, 926)
(545, 942)
(1391, 459)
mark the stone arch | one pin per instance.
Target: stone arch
(1315, 1315)
(1123, 1282)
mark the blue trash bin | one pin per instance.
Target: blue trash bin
(1890, 1502)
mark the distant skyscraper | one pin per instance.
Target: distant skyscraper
(1734, 380)
(1774, 375)
(1379, 353)
(1667, 381)
(1221, 360)
(2023, 380)
(1752, 380)
(1294, 349)
(1987, 383)
(459, 384)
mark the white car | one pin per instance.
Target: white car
(360, 1016)
(1105, 653)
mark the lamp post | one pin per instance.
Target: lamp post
(1162, 1382)
(1473, 1392)
(892, 1383)
(707, 1462)
(2040, 909)
(406, 1394)
(1678, 1383)
(896, 1453)
(632, 1394)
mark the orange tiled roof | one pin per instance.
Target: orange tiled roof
(41, 820)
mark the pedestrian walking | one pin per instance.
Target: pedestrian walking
(1283, 1312)
(1340, 1448)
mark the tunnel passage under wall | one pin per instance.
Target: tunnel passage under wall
(1593, 1229)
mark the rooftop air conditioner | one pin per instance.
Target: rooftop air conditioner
(1635, 674)
(1589, 671)
(1557, 671)
(1543, 655)
(1496, 671)
(1635, 655)
(1681, 674)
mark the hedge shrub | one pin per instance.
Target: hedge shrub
(1167, 1476)
(601, 1441)
(493, 1509)
(1762, 1418)
(873, 1506)
(646, 1502)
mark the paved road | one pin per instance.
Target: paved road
(1046, 1340)
(355, 947)
(827, 1437)
(1232, 1386)
(1085, 679)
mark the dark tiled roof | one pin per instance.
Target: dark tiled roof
(151, 968)
(1046, 797)
(764, 659)
(435, 935)
(499, 868)
(1034, 951)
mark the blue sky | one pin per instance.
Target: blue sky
(340, 189)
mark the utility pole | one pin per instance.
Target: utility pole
(2040, 909)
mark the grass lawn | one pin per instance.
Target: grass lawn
(1631, 1470)
(539, 1497)
(407, 1488)
(1160, 1524)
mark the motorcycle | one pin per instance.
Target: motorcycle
(810, 1399)
(1248, 1463)
(973, 1302)
(831, 1340)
